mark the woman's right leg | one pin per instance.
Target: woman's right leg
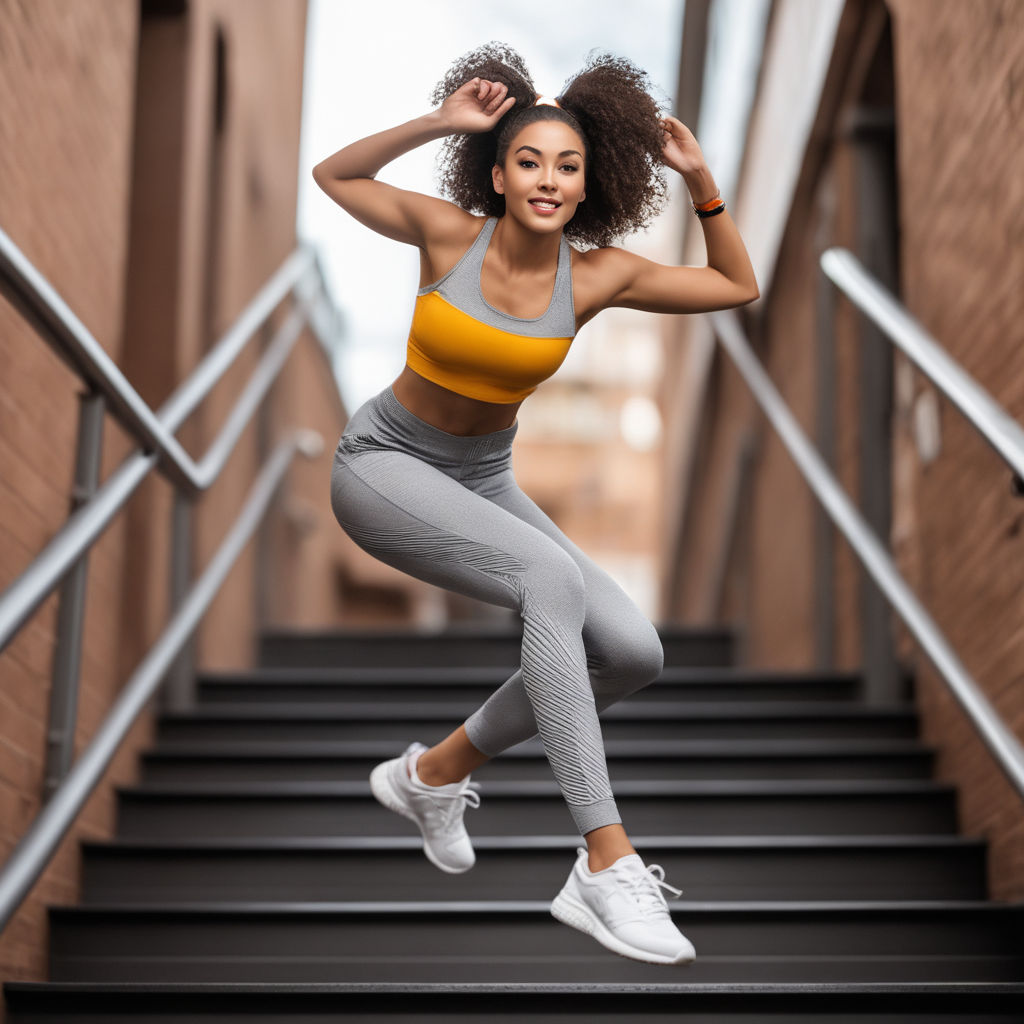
(409, 514)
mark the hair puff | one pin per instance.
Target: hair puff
(608, 102)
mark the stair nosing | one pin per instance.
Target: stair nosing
(370, 843)
(462, 675)
(238, 908)
(782, 749)
(549, 788)
(632, 988)
(297, 711)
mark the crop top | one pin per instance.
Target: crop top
(460, 341)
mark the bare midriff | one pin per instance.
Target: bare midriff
(450, 411)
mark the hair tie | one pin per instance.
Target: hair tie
(547, 101)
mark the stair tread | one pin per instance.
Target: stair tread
(469, 675)
(544, 787)
(712, 989)
(718, 749)
(647, 709)
(534, 842)
(791, 908)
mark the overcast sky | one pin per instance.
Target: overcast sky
(370, 66)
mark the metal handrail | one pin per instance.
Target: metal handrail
(300, 274)
(984, 413)
(1004, 745)
(29, 858)
(42, 306)
(24, 595)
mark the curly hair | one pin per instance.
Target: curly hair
(608, 104)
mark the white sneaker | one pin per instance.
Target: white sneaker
(436, 810)
(623, 907)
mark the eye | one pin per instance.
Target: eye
(525, 161)
(569, 167)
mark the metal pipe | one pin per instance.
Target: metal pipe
(1003, 744)
(67, 653)
(43, 307)
(30, 857)
(994, 424)
(82, 528)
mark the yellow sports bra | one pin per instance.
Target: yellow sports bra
(460, 341)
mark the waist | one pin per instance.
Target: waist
(391, 425)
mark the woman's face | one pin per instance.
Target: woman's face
(542, 178)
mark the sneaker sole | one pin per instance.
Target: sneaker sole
(567, 909)
(384, 793)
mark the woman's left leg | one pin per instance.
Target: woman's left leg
(624, 651)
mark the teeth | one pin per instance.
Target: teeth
(544, 203)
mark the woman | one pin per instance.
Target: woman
(422, 477)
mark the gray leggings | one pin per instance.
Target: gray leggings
(446, 508)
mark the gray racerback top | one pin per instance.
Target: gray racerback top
(461, 287)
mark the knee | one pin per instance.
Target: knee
(555, 580)
(645, 654)
(635, 659)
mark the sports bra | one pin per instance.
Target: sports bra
(460, 341)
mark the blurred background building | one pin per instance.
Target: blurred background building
(155, 160)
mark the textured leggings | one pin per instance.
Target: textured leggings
(446, 508)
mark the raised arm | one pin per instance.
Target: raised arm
(728, 280)
(349, 176)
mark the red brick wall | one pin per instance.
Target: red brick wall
(960, 102)
(956, 533)
(78, 196)
(65, 137)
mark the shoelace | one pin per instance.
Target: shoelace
(469, 795)
(645, 887)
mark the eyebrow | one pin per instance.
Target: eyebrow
(565, 152)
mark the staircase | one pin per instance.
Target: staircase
(254, 876)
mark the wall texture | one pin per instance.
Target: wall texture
(148, 168)
(955, 75)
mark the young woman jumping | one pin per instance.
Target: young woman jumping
(422, 476)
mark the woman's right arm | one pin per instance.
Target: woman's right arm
(348, 176)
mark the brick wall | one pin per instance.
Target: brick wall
(65, 137)
(956, 529)
(157, 242)
(960, 102)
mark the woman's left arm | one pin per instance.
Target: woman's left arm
(728, 279)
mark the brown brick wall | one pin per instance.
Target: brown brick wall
(960, 101)
(65, 138)
(956, 529)
(130, 234)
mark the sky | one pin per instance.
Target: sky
(372, 66)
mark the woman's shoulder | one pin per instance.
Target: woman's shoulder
(607, 263)
(598, 275)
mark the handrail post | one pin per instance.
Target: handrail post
(60, 734)
(179, 684)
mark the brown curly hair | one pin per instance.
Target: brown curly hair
(610, 106)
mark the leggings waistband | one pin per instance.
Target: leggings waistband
(441, 441)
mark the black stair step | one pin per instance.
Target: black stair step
(705, 868)
(603, 1003)
(745, 807)
(431, 722)
(468, 644)
(520, 941)
(391, 685)
(627, 759)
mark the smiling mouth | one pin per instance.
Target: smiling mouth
(545, 204)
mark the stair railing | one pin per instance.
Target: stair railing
(64, 559)
(995, 425)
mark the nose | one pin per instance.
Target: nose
(547, 179)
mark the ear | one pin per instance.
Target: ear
(498, 179)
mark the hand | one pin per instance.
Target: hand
(680, 150)
(476, 106)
